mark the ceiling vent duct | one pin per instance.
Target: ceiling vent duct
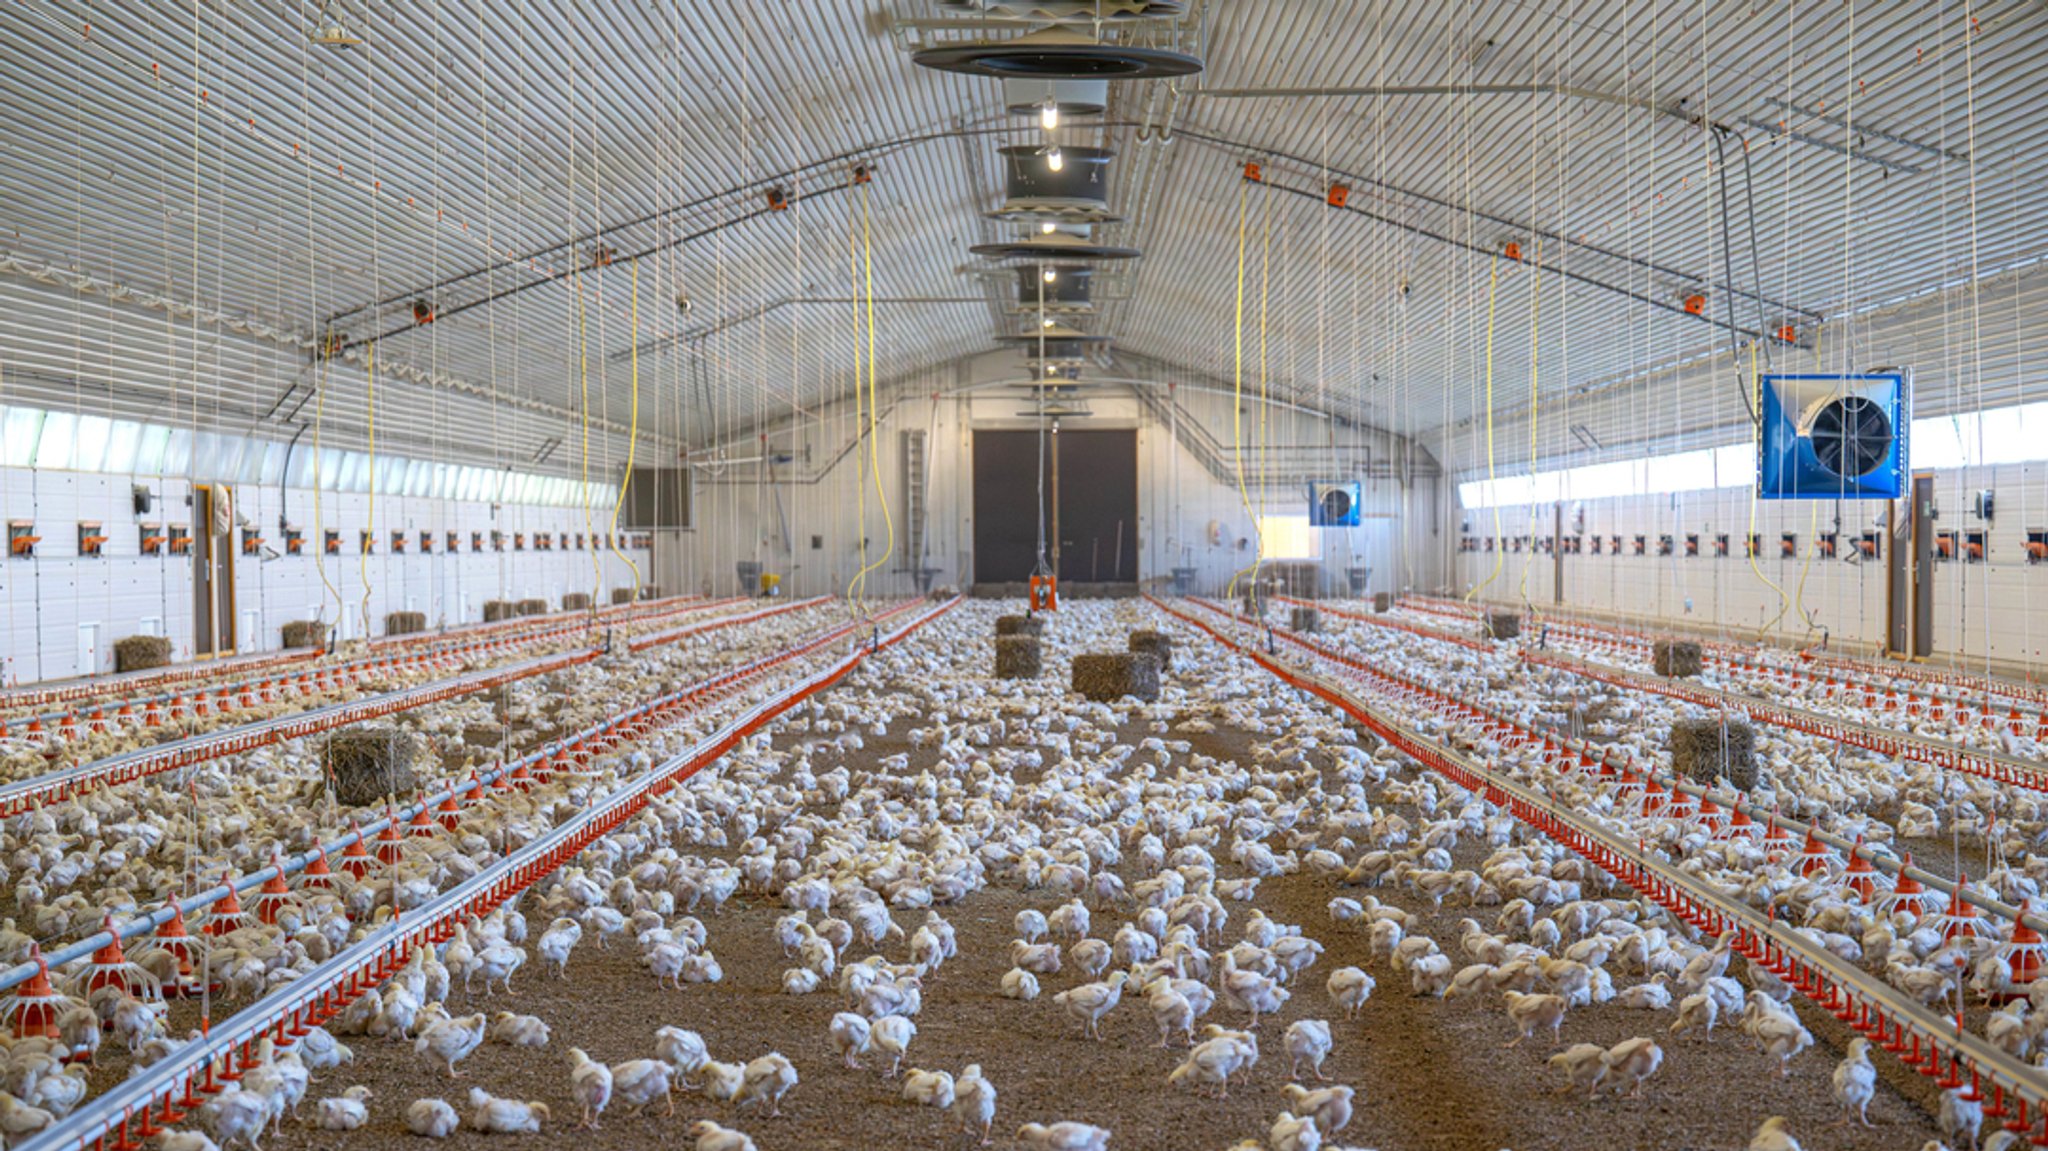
(1075, 193)
(1056, 54)
(1073, 98)
(1068, 11)
(1066, 293)
(1053, 248)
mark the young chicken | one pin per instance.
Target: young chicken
(1172, 1012)
(767, 1079)
(1020, 984)
(929, 1088)
(681, 1049)
(345, 1113)
(974, 1102)
(709, 1136)
(431, 1119)
(504, 1116)
(515, 1030)
(1091, 1001)
(1530, 1012)
(1633, 1061)
(1349, 988)
(1330, 1107)
(892, 1035)
(1696, 1012)
(1855, 1081)
(185, 1141)
(236, 1116)
(590, 1085)
(19, 1121)
(1295, 1133)
(1774, 1135)
(851, 1036)
(1583, 1065)
(637, 1083)
(1064, 1136)
(1308, 1041)
(449, 1041)
(1960, 1118)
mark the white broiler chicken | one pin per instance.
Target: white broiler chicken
(1308, 1041)
(494, 1116)
(514, 1030)
(1091, 1001)
(928, 1088)
(590, 1085)
(1330, 1107)
(708, 1136)
(1632, 1061)
(1172, 1012)
(1295, 1133)
(431, 1119)
(1960, 1118)
(1349, 988)
(1020, 984)
(1774, 1135)
(681, 1049)
(345, 1113)
(449, 1041)
(1530, 1013)
(974, 1102)
(767, 1080)
(1696, 1012)
(851, 1036)
(1855, 1081)
(1064, 1136)
(236, 1117)
(637, 1083)
(1583, 1065)
(891, 1035)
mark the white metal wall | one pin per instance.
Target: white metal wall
(47, 602)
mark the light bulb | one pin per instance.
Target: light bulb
(1050, 275)
(1049, 115)
(1047, 323)
(1048, 228)
(1050, 370)
(1054, 160)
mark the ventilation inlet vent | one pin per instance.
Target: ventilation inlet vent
(1058, 54)
(1067, 294)
(1055, 247)
(1078, 193)
(1067, 11)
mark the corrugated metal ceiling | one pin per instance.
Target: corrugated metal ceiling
(468, 150)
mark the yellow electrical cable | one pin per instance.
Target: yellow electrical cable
(1237, 407)
(370, 517)
(632, 441)
(860, 487)
(1493, 494)
(583, 359)
(1756, 433)
(319, 525)
(874, 434)
(1535, 314)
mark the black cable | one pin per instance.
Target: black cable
(1728, 271)
(1756, 266)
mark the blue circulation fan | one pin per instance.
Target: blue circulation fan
(1835, 437)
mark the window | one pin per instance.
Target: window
(1288, 537)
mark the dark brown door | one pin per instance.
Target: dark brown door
(1098, 504)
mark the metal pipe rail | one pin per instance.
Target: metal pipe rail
(1567, 756)
(96, 687)
(580, 617)
(58, 786)
(1464, 641)
(1923, 1041)
(643, 643)
(165, 1092)
(630, 723)
(2004, 769)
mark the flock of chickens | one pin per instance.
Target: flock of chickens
(1142, 857)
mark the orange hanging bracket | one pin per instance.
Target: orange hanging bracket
(1045, 593)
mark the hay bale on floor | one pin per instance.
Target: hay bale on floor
(1382, 602)
(1704, 750)
(365, 765)
(1019, 657)
(141, 652)
(405, 622)
(649, 591)
(1304, 619)
(1106, 676)
(1020, 625)
(622, 595)
(576, 601)
(305, 633)
(532, 607)
(1156, 644)
(1676, 657)
(496, 610)
(1503, 624)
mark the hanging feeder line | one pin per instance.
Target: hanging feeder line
(136, 711)
(1929, 1044)
(166, 1091)
(580, 747)
(1569, 754)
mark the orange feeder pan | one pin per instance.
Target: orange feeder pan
(273, 897)
(318, 876)
(1814, 858)
(187, 949)
(2024, 950)
(34, 1010)
(1906, 895)
(227, 915)
(1861, 878)
(355, 858)
(109, 967)
(1961, 918)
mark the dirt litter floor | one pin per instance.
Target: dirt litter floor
(1429, 1074)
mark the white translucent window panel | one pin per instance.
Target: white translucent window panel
(1287, 538)
(1735, 465)
(178, 453)
(54, 448)
(1943, 441)
(1683, 472)
(89, 443)
(2012, 435)
(150, 449)
(21, 430)
(123, 440)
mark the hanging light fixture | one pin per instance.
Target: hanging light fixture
(1053, 159)
(1049, 115)
(332, 31)
(1051, 275)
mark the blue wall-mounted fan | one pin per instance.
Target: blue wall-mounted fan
(1334, 505)
(1836, 437)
